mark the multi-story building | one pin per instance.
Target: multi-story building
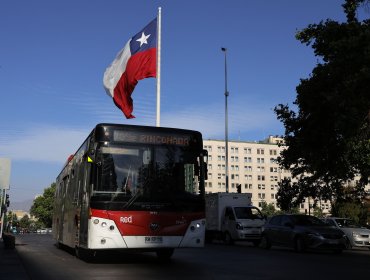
(252, 165)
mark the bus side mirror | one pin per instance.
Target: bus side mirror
(205, 168)
(205, 163)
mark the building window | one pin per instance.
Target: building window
(260, 169)
(221, 158)
(248, 186)
(261, 178)
(248, 168)
(260, 160)
(208, 148)
(247, 159)
(248, 177)
(221, 149)
(260, 151)
(234, 159)
(235, 167)
(247, 151)
(273, 178)
(273, 152)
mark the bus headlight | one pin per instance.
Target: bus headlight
(194, 227)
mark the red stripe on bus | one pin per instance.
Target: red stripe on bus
(151, 223)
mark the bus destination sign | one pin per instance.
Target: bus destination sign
(150, 138)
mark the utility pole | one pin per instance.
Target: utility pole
(226, 126)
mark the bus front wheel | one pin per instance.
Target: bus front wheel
(83, 254)
(165, 254)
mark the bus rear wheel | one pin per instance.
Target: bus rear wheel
(165, 254)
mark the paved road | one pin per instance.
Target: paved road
(43, 260)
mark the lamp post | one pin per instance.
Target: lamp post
(226, 127)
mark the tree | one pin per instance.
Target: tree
(348, 210)
(287, 195)
(268, 209)
(25, 222)
(42, 207)
(328, 138)
(317, 212)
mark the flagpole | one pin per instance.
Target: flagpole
(158, 119)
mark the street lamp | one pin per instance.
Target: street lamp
(226, 126)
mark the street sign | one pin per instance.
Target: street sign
(4, 173)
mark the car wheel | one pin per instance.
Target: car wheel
(338, 251)
(228, 239)
(348, 244)
(256, 243)
(265, 242)
(299, 245)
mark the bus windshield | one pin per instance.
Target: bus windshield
(147, 177)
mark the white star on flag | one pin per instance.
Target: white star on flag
(143, 39)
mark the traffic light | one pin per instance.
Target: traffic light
(239, 188)
(7, 201)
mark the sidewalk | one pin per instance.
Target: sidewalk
(11, 267)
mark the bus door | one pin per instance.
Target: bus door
(84, 205)
(62, 225)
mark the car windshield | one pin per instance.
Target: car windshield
(303, 220)
(247, 213)
(346, 223)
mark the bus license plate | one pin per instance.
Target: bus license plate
(154, 239)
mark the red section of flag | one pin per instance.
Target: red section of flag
(139, 66)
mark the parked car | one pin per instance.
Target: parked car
(42, 231)
(356, 236)
(301, 232)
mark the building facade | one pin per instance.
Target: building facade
(253, 165)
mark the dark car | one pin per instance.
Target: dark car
(302, 232)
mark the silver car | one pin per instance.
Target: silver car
(356, 235)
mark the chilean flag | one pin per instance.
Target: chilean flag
(136, 61)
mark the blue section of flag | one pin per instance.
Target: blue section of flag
(141, 38)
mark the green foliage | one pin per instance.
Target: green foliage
(328, 138)
(42, 207)
(349, 210)
(317, 212)
(268, 209)
(287, 195)
(25, 222)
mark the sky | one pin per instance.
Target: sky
(53, 55)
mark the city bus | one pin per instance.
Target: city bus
(132, 187)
